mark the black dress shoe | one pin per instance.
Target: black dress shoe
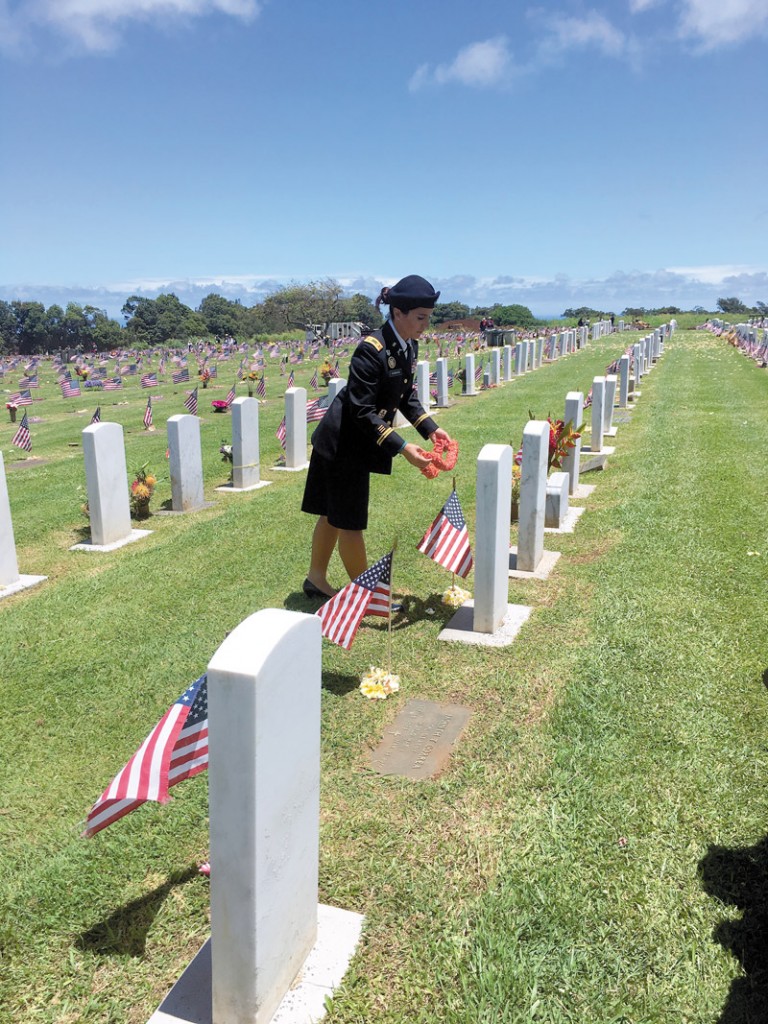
(311, 590)
(397, 607)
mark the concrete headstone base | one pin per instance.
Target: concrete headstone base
(606, 449)
(338, 933)
(22, 583)
(229, 489)
(291, 469)
(568, 525)
(583, 491)
(542, 570)
(133, 536)
(459, 626)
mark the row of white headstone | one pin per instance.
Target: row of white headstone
(493, 564)
(105, 461)
(104, 449)
(266, 926)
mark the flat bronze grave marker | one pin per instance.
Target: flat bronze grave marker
(418, 743)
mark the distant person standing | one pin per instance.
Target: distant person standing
(356, 436)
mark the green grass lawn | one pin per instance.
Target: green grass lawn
(596, 851)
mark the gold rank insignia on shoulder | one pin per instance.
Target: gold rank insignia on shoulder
(392, 362)
(375, 342)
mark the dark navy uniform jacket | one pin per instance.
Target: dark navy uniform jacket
(357, 429)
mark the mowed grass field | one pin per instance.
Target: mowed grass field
(596, 850)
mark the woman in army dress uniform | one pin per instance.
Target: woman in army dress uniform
(356, 438)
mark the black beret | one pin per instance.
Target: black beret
(411, 292)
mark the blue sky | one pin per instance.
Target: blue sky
(605, 154)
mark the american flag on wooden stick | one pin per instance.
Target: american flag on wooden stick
(148, 414)
(21, 398)
(368, 594)
(446, 541)
(96, 418)
(176, 749)
(190, 402)
(22, 438)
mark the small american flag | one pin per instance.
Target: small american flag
(446, 541)
(368, 593)
(190, 402)
(213, 370)
(315, 411)
(181, 376)
(96, 418)
(291, 380)
(20, 398)
(230, 396)
(22, 438)
(281, 432)
(261, 387)
(313, 382)
(149, 380)
(70, 389)
(29, 382)
(148, 414)
(113, 383)
(176, 749)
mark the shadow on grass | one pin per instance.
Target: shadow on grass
(126, 930)
(739, 876)
(415, 609)
(339, 683)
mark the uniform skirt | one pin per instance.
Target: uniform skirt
(337, 491)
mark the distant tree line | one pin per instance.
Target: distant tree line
(732, 305)
(28, 327)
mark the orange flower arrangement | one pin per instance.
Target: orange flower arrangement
(442, 458)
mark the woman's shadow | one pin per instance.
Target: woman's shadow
(739, 875)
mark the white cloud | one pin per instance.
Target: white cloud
(715, 23)
(567, 33)
(480, 64)
(95, 25)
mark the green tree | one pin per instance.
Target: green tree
(584, 312)
(360, 309)
(296, 305)
(31, 327)
(512, 316)
(732, 305)
(7, 327)
(221, 316)
(445, 311)
(155, 321)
